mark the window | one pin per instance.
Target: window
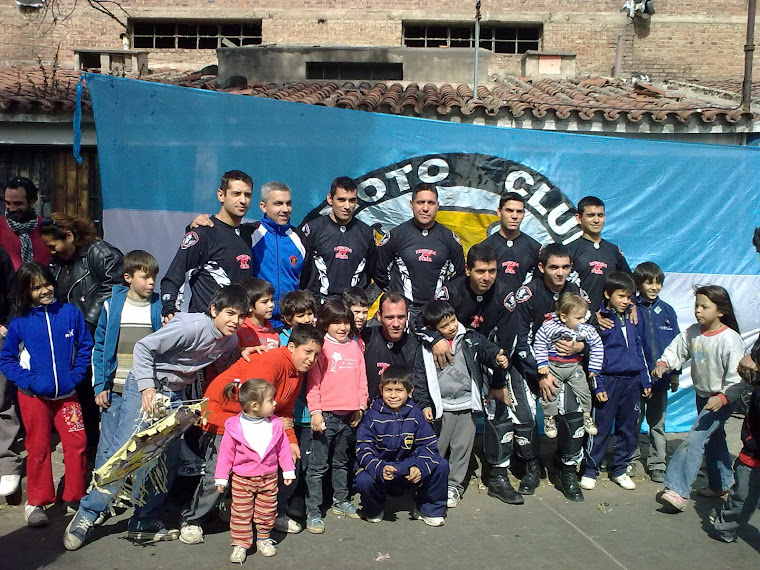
(495, 37)
(354, 70)
(151, 34)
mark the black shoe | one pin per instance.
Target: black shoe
(532, 478)
(568, 481)
(500, 487)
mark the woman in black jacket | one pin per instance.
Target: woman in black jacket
(85, 268)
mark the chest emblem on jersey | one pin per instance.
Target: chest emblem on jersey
(408, 440)
(342, 252)
(477, 320)
(510, 267)
(510, 302)
(523, 294)
(244, 261)
(381, 366)
(426, 254)
(190, 239)
(383, 240)
(597, 267)
(293, 260)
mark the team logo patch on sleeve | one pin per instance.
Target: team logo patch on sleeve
(293, 260)
(523, 294)
(306, 229)
(456, 238)
(383, 240)
(190, 239)
(510, 302)
(442, 294)
(585, 296)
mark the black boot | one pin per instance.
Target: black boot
(568, 480)
(500, 487)
(531, 479)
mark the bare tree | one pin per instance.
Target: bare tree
(55, 12)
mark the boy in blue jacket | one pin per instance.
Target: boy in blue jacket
(127, 316)
(659, 326)
(408, 454)
(619, 386)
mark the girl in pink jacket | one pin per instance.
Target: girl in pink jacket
(254, 443)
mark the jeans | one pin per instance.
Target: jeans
(329, 450)
(109, 422)
(130, 422)
(707, 437)
(742, 502)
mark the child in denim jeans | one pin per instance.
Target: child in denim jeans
(337, 397)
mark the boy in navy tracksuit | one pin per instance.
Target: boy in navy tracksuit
(618, 388)
(408, 454)
(658, 326)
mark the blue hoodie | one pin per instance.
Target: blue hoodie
(104, 360)
(623, 355)
(47, 351)
(403, 439)
(278, 254)
(659, 326)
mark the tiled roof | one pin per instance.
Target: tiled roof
(587, 99)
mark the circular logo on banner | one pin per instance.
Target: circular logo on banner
(469, 186)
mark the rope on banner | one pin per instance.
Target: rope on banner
(78, 120)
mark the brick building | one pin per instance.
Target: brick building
(685, 39)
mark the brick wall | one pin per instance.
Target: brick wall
(685, 39)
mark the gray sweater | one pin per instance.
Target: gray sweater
(177, 351)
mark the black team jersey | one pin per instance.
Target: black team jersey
(380, 353)
(516, 258)
(482, 313)
(417, 262)
(592, 262)
(533, 304)
(208, 259)
(342, 256)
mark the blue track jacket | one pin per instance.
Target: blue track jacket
(659, 326)
(47, 351)
(623, 355)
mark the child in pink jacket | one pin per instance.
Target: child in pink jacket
(254, 443)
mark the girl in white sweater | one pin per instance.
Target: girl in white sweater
(715, 348)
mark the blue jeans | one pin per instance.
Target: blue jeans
(743, 501)
(109, 422)
(130, 422)
(707, 437)
(329, 451)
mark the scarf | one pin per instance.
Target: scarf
(22, 230)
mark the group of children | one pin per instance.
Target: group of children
(287, 407)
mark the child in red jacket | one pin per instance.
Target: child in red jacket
(254, 443)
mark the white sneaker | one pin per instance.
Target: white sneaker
(624, 481)
(452, 497)
(238, 555)
(588, 424)
(550, 427)
(286, 524)
(9, 484)
(587, 483)
(266, 547)
(35, 516)
(191, 534)
(377, 519)
(430, 521)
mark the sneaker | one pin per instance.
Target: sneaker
(376, 519)
(266, 547)
(430, 521)
(657, 475)
(34, 516)
(288, 525)
(550, 427)
(9, 484)
(239, 554)
(631, 469)
(452, 497)
(102, 518)
(710, 492)
(346, 509)
(190, 534)
(624, 481)
(588, 424)
(77, 532)
(673, 499)
(315, 524)
(587, 483)
(155, 532)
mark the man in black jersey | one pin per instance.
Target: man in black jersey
(516, 252)
(593, 257)
(419, 256)
(212, 257)
(388, 343)
(533, 304)
(343, 248)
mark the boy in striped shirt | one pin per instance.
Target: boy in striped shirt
(568, 322)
